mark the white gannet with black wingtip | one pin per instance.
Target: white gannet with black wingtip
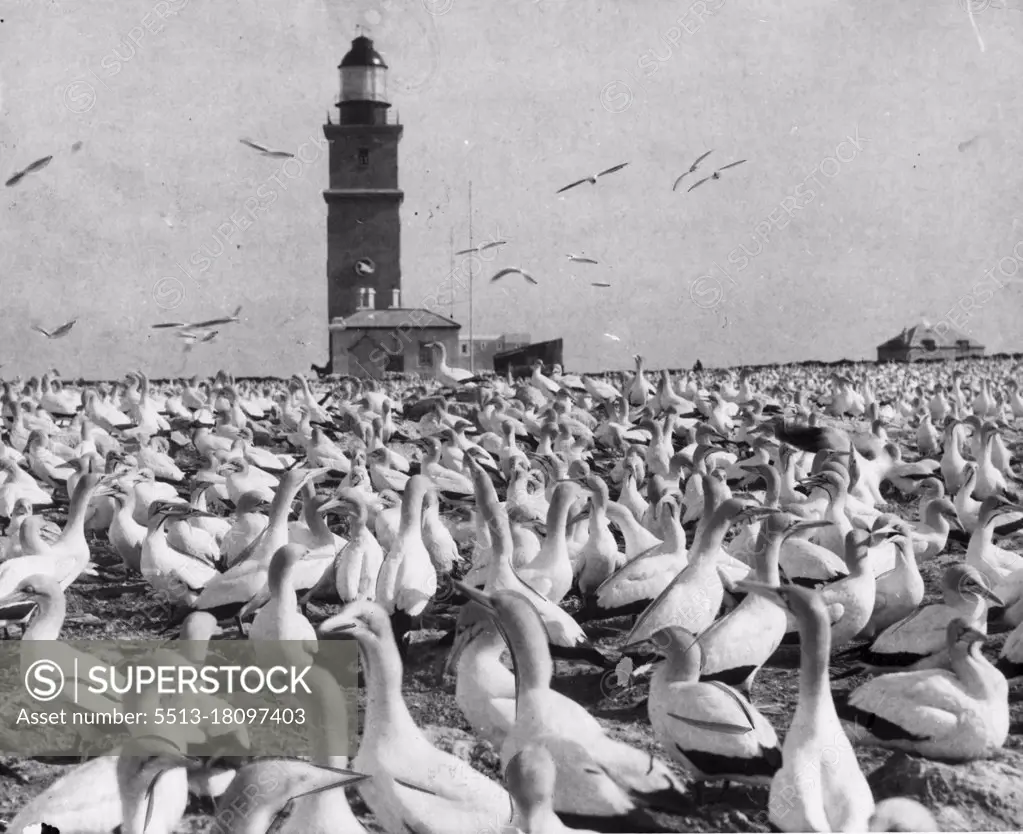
(712, 730)
(920, 640)
(957, 714)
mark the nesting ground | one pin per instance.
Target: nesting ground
(430, 698)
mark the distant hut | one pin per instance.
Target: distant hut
(926, 342)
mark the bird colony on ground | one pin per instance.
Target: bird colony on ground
(626, 602)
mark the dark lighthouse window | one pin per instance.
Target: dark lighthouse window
(364, 156)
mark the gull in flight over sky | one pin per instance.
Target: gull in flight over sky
(592, 179)
(60, 332)
(38, 165)
(692, 168)
(191, 338)
(199, 325)
(483, 247)
(717, 174)
(231, 319)
(580, 260)
(267, 151)
(512, 270)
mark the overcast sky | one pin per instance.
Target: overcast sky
(882, 150)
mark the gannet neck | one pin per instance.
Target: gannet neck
(710, 540)
(330, 710)
(412, 506)
(682, 656)
(671, 527)
(767, 563)
(531, 657)
(773, 482)
(815, 650)
(969, 665)
(280, 506)
(49, 619)
(557, 512)
(75, 526)
(387, 714)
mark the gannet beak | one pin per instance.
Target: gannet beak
(194, 513)
(987, 593)
(348, 778)
(800, 526)
(756, 511)
(314, 474)
(337, 627)
(331, 504)
(475, 595)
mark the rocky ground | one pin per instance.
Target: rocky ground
(984, 795)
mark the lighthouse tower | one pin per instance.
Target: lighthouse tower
(363, 200)
(371, 334)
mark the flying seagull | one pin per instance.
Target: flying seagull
(231, 319)
(717, 174)
(511, 271)
(692, 168)
(580, 260)
(483, 247)
(266, 151)
(592, 179)
(61, 331)
(38, 165)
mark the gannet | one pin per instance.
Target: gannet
(67, 557)
(265, 151)
(592, 179)
(900, 590)
(712, 730)
(692, 168)
(736, 646)
(838, 797)
(484, 686)
(412, 785)
(919, 640)
(694, 596)
(717, 174)
(598, 778)
(957, 714)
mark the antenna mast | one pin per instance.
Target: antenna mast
(472, 341)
